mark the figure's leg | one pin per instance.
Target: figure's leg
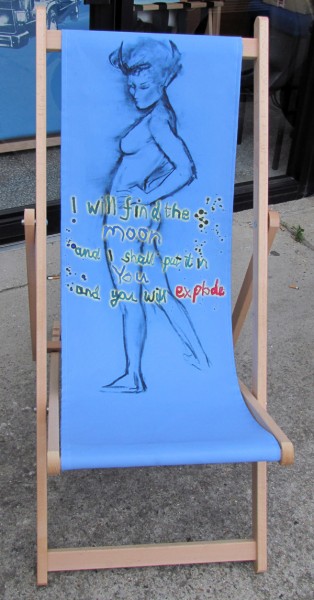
(124, 278)
(134, 336)
(180, 321)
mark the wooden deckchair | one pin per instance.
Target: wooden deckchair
(254, 288)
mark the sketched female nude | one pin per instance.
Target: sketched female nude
(154, 164)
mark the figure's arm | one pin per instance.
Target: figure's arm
(178, 155)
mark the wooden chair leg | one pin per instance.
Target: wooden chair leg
(261, 240)
(42, 519)
(259, 514)
(53, 455)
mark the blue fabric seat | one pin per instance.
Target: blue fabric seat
(190, 410)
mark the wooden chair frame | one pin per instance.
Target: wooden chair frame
(254, 288)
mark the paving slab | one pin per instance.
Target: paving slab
(298, 217)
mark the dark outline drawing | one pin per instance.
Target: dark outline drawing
(154, 163)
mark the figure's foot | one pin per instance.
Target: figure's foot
(201, 362)
(129, 383)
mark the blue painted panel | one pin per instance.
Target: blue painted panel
(149, 128)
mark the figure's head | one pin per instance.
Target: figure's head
(149, 65)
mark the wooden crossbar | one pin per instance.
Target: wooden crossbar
(147, 555)
(250, 45)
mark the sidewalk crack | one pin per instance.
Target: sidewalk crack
(15, 287)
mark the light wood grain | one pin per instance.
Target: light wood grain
(260, 275)
(53, 454)
(29, 232)
(244, 299)
(266, 421)
(151, 555)
(156, 554)
(18, 145)
(41, 296)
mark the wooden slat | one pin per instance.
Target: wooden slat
(41, 295)
(244, 298)
(250, 48)
(27, 144)
(53, 346)
(260, 257)
(151, 555)
(53, 40)
(260, 213)
(29, 231)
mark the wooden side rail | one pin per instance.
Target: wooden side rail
(29, 231)
(244, 299)
(266, 421)
(30, 245)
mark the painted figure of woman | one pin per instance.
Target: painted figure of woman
(154, 164)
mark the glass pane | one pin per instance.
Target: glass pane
(290, 25)
(17, 98)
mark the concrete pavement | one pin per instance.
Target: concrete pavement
(142, 505)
